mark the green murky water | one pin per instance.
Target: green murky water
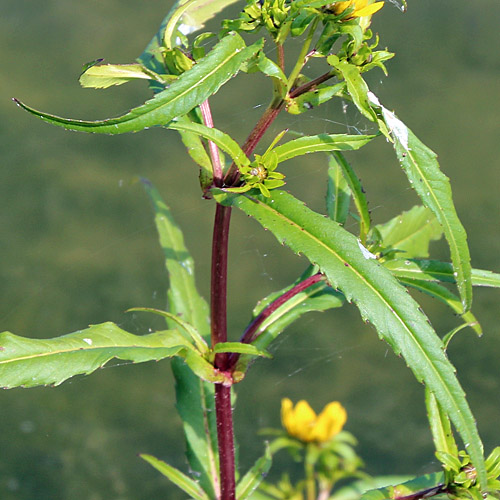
(78, 246)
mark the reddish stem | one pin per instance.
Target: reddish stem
(310, 85)
(225, 436)
(249, 335)
(218, 310)
(218, 285)
(253, 139)
(218, 313)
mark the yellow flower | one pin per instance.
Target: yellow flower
(362, 8)
(302, 422)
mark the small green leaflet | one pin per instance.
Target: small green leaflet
(357, 191)
(421, 487)
(435, 270)
(222, 140)
(107, 75)
(251, 480)
(321, 142)
(410, 232)
(356, 86)
(338, 196)
(185, 483)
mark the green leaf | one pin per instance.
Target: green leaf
(444, 295)
(188, 91)
(196, 149)
(356, 86)
(358, 195)
(193, 334)
(205, 370)
(493, 460)
(222, 140)
(270, 68)
(338, 197)
(189, 16)
(321, 142)
(442, 434)
(185, 483)
(240, 348)
(411, 232)
(107, 75)
(183, 297)
(433, 188)
(450, 462)
(435, 270)
(251, 480)
(379, 297)
(32, 362)
(314, 98)
(421, 487)
(195, 398)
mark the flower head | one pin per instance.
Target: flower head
(302, 422)
(361, 8)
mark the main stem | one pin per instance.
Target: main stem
(223, 410)
(218, 313)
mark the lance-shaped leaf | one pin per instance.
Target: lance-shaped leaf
(195, 398)
(440, 425)
(358, 194)
(379, 297)
(356, 86)
(32, 362)
(435, 270)
(321, 142)
(433, 187)
(424, 486)
(185, 483)
(189, 90)
(240, 348)
(411, 232)
(222, 140)
(251, 480)
(338, 196)
(314, 98)
(106, 75)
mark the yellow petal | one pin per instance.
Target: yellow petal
(305, 416)
(360, 4)
(339, 7)
(286, 413)
(368, 10)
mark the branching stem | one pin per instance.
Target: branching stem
(249, 334)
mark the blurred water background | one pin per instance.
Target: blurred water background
(79, 246)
